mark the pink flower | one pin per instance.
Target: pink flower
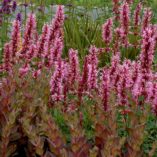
(116, 8)
(66, 85)
(92, 68)
(152, 95)
(137, 80)
(73, 67)
(7, 58)
(124, 83)
(125, 21)
(31, 52)
(105, 89)
(146, 18)
(107, 31)
(15, 37)
(57, 24)
(115, 63)
(147, 50)
(29, 33)
(119, 35)
(137, 18)
(84, 79)
(56, 86)
(42, 43)
(125, 17)
(56, 50)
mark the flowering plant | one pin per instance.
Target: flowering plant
(37, 82)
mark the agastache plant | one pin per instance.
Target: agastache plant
(147, 17)
(56, 83)
(92, 68)
(29, 33)
(107, 33)
(54, 106)
(116, 10)
(124, 21)
(73, 70)
(15, 38)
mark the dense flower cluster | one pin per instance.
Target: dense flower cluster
(35, 76)
(45, 51)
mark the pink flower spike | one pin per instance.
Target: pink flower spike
(116, 9)
(56, 50)
(147, 17)
(115, 63)
(125, 17)
(124, 83)
(147, 49)
(31, 52)
(42, 46)
(7, 58)
(92, 69)
(107, 31)
(73, 66)
(125, 21)
(56, 86)
(151, 88)
(105, 89)
(29, 34)
(15, 37)
(57, 24)
(137, 80)
(84, 79)
(137, 18)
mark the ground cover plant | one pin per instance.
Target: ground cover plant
(57, 103)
